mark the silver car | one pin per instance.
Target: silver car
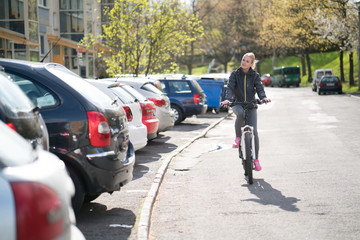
(35, 192)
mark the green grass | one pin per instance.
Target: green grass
(318, 61)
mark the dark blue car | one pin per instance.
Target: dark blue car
(186, 96)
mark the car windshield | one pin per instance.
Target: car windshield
(12, 98)
(90, 92)
(14, 149)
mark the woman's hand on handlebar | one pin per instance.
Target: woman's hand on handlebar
(225, 103)
(266, 100)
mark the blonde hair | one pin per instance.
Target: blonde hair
(251, 55)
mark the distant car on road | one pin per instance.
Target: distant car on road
(265, 79)
(35, 192)
(329, 84)
(317, 76)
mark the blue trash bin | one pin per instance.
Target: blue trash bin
(213, 90)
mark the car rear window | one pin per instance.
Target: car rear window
(330, 79)
(12, 98)
(135, 93)
(149, 87)
(197, 86)
(125, 96)
(291, 70)
(90, 92)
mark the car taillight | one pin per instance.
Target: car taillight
(38, 211)
(158, 102)
(148, 110)
(128, 112)
(196, 98)
(321, 84)
(11, 125)
(339, 83)
(99, 130)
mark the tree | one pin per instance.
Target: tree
(340, 29)
(143, 36)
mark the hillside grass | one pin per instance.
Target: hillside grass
(318, 61)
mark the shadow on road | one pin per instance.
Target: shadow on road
(91, 214)
(267, 195)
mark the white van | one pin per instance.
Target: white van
(318, 74)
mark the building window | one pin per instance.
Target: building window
(12, 16)
(42, 3)
(42, 45)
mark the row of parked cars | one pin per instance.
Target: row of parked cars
(65, 140)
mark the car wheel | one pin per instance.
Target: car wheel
(178, 114)
(89, 198)
(78, 198)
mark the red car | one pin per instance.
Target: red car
(265, 79)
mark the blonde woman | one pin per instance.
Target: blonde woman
(243, 84)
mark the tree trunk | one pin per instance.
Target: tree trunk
(342, 77)
(191, 60)
(303, 64)
(274, 57)
(307, 55)
(258, 68)
(351, 73)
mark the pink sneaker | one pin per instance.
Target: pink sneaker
(257, 165)
(236, 142)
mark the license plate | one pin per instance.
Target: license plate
(287, 79)
(330, 84)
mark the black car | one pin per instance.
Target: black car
(329, 84)
(186, 96)
(86, 131)
(20, 114)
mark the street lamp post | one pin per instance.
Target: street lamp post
(358, 52)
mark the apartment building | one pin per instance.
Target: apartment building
(50, 31)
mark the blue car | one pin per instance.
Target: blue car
(186, 96)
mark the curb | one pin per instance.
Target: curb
(353, 96)
(145, 212)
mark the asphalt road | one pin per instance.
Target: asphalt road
(308, 188)
(117, 216)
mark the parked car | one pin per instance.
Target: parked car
(85, 130)
(148, 110)
(137, 130)
(35, 192)
(186, 96)
(162, 103)
(317, 75)
(329, 84)
(20, 114)
(265, 79)
(285, 76)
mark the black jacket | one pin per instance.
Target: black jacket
(235, 87)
